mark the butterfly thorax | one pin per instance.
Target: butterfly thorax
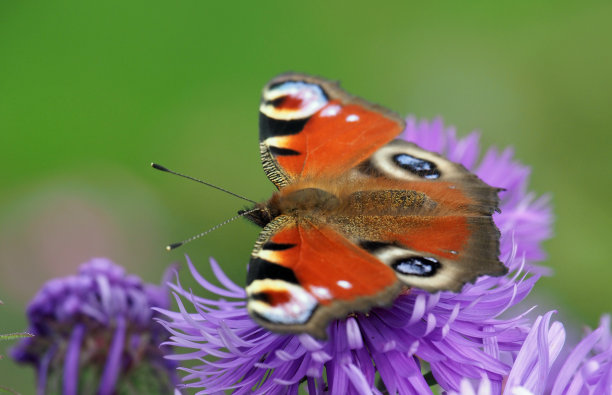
(296, 201)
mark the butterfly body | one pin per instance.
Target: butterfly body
(358, 216)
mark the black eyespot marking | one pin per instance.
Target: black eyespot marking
(416, 266)
(373, 246)
(260, 269)
(276, 151)
(270, 127)
(272, 246)
(277, 102)
(420, 167)
(261, 296)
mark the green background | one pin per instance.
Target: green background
(92, 92)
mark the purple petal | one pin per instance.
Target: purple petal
(43, 370)
(574, 360)
(113, 361)
(71, 362)
(356, 377)
(209, 286)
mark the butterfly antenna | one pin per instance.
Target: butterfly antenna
(227, 221)
(162, 168)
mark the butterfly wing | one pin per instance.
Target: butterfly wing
(306, 123)
(301, 276)
(427, 218)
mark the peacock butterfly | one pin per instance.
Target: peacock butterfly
(359, 216)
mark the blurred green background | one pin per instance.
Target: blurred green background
(92, 92)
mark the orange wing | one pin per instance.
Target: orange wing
(301, 276)
(309, 128)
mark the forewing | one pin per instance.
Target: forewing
(301, 276)
(310, 128)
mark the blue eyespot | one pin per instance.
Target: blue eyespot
(416, 266)
(420, 167)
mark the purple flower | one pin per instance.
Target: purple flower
(586, 370)
(452, 335)
(94, 333)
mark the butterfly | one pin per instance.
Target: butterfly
(359, 216)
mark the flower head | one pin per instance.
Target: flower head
(94, 332)
(452, 335)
